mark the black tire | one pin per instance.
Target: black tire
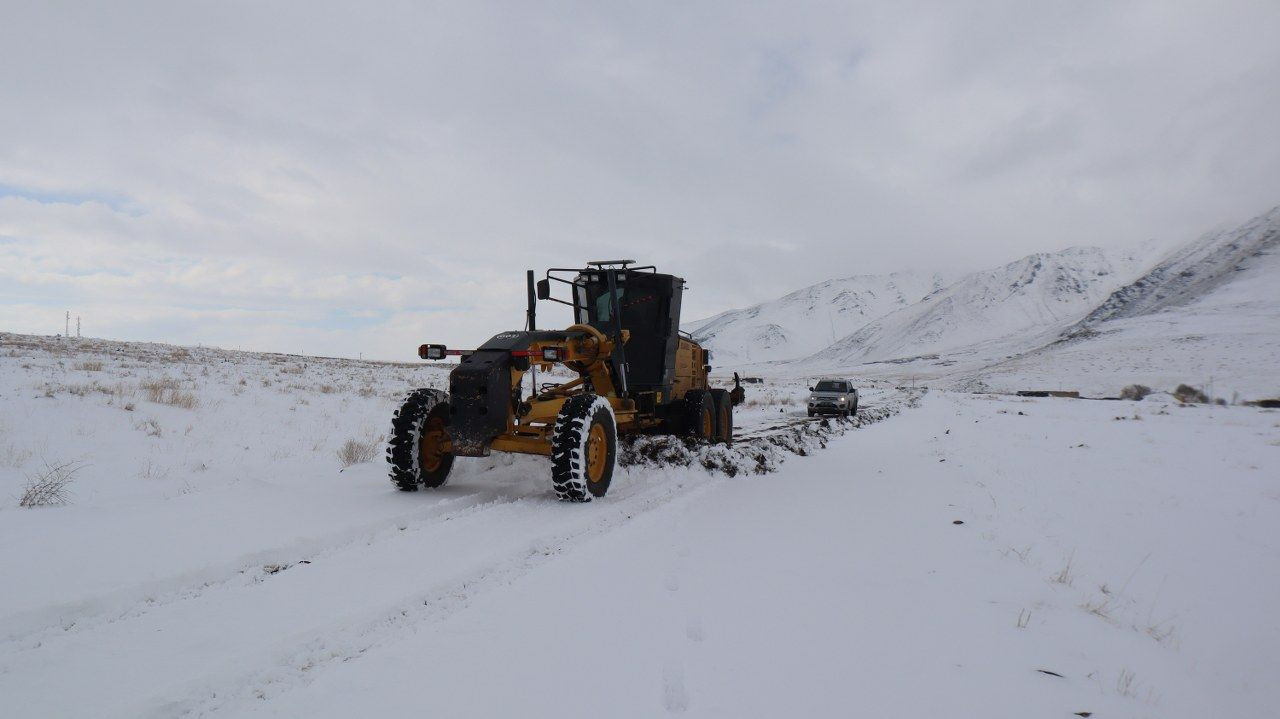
(854, 409)
(700, 414)
(423, 408)
(573, 451)
(810, 414)
(724, 416)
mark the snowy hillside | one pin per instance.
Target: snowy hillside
(808, 319)
(1194, 271)
(1016, 304)
(1208, 315)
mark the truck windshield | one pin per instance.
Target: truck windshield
(827, 385)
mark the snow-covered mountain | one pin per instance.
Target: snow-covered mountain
(1017, 302)
(809, 319)
(1196, 270)
(1207, 315)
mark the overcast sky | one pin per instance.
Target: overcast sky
(338, 179)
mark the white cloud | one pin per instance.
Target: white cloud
(296, 162)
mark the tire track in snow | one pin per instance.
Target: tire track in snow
(137, 601)
(297, 666)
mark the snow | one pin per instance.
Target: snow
(1017, 303)
(230, 565)
(805, 321)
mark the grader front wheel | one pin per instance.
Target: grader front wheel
(417, 452)
(584, 447)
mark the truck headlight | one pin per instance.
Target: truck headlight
(841, 400)
(813, 398)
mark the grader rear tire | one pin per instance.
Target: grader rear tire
(584, 447)
(700, 414)
(418, 431)
(724, 416)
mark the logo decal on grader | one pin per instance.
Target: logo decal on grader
(636, 372)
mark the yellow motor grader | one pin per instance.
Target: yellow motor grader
(635, 372)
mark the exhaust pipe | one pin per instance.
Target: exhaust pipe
(531, 313)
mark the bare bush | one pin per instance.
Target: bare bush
(1135, 392)
(93, 366)
(48, 487)
(1187, 394)
(359, 451)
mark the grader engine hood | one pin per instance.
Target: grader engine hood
(480, 392)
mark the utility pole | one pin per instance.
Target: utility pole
(67, 332)
(77, 326)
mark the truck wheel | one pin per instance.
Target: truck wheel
(584, 446)
(854, 409)
(419, 433)
(724, 416)
(700, 414)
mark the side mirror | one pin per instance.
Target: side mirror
(812, 389)
(544, 289)
(431, 352)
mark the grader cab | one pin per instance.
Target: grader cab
(631, 370)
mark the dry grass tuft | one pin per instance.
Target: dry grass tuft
(14, 456)
(359, 451)
(150, 426)
(1065, 575)
(167, 391)
(1124, 683)
(93, 366)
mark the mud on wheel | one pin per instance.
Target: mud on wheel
(584, 445)
(419, 434)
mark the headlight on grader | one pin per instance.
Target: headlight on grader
(432, 352)
(552, 354)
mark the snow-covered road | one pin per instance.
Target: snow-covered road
(942, 562)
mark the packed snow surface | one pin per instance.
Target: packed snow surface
(970, 555)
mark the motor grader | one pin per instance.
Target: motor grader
(632, 371)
